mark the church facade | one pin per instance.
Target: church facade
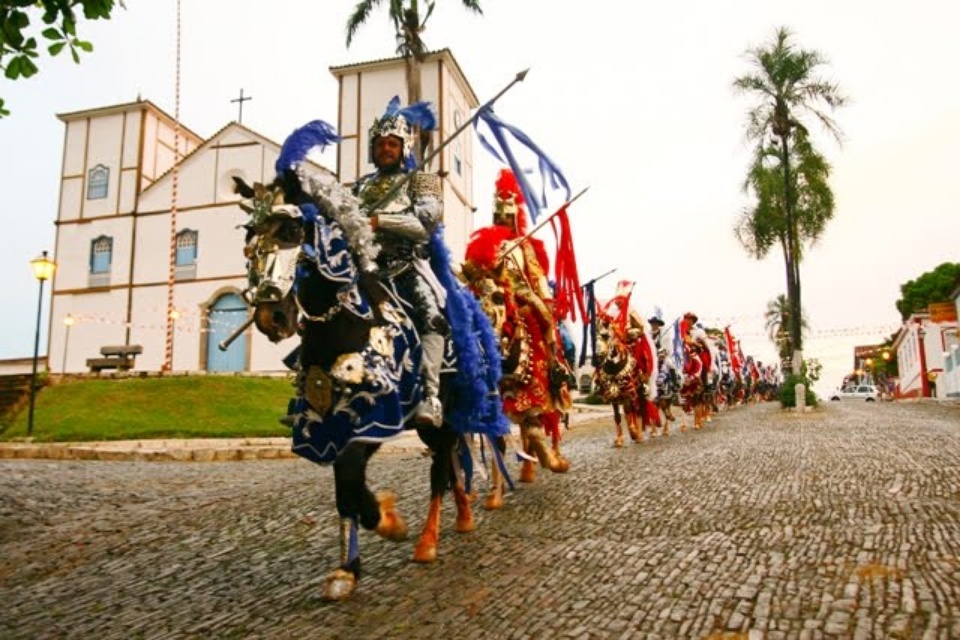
(143, 243)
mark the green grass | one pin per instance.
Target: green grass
(168, 407)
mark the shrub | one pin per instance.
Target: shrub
(788, 392)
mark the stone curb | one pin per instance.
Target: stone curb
(207, 449)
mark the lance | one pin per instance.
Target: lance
(600, 277)
(389, 195)
(226, 342)
(519, 241)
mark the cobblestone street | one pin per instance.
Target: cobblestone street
(844, 522)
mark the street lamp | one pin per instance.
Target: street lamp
(43, 268)
(68, 322)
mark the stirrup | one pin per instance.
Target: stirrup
(429, 412)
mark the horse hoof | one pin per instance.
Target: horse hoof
(527, 471)
(425, 553)
(562, 465)
(493, 502)
(391, 525)
(338, 585)
(618, 442)
(463, 525)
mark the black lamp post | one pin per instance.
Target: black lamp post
(43, 268)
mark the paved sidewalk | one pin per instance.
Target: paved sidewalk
(207, 449)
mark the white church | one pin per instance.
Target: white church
(122, 202)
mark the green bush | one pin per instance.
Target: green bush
(788, 392)
(593, 399)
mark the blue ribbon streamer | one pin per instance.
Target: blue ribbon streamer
(549, 171)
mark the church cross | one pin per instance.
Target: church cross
(241, 100)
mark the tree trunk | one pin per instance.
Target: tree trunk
(793, 270)
(414, 94)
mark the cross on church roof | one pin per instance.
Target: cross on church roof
(241, 100)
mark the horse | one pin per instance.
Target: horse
(618, 379)
(528, 372)
(311, 272)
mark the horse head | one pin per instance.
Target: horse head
(274, 235)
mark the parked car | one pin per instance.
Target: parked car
(866, 392)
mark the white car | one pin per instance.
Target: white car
(866, 392)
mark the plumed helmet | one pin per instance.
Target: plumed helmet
(399, 122)
(508, 202)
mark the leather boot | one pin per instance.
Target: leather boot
(430, 411)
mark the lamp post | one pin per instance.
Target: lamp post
(43, 268)
(68, 322)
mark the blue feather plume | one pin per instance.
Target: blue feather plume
(419, 114)
(478, 406)
(304, 140)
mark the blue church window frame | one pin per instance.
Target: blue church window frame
(101, 254)
(187, 247)
(98, 181)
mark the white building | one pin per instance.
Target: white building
(365, 90)
(118, 214)
(949, 381)
(920, 346)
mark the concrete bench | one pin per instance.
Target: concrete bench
(119, 357)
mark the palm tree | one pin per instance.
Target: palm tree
(785, 82)
(776, 322)
(405, 16)
(763, 225)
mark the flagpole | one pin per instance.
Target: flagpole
(601, 276)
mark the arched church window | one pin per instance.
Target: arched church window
(98, 180)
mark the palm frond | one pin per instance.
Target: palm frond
(359, 16)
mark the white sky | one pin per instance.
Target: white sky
(632, 99)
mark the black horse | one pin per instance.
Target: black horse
(312, 273)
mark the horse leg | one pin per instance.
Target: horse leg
(551, 426)
(618, 442)
(340, 583)
(464, 522)
(536, 446)
(426, 549)
(354, 499)
(356, 505)
(495, 497)
(440, 442)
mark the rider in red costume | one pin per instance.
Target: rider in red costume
(535, 383)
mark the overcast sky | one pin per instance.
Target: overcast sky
(631, 99)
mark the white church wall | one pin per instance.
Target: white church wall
(104, 148)
(73, 252)
(99, 319)
(75, 144)
(71, 192)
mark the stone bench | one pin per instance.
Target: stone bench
(119, 357)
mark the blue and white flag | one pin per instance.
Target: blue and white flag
(549, 172)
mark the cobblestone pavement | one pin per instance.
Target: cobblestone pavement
(844, 522)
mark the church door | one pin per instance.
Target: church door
(226, 314)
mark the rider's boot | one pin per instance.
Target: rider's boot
(430, 411)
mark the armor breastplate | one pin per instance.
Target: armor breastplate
(395, 251)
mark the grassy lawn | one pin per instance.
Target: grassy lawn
(169, 407)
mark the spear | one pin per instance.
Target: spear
(225, 343)
(601, 276)
(389, 195)
(516, 243)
